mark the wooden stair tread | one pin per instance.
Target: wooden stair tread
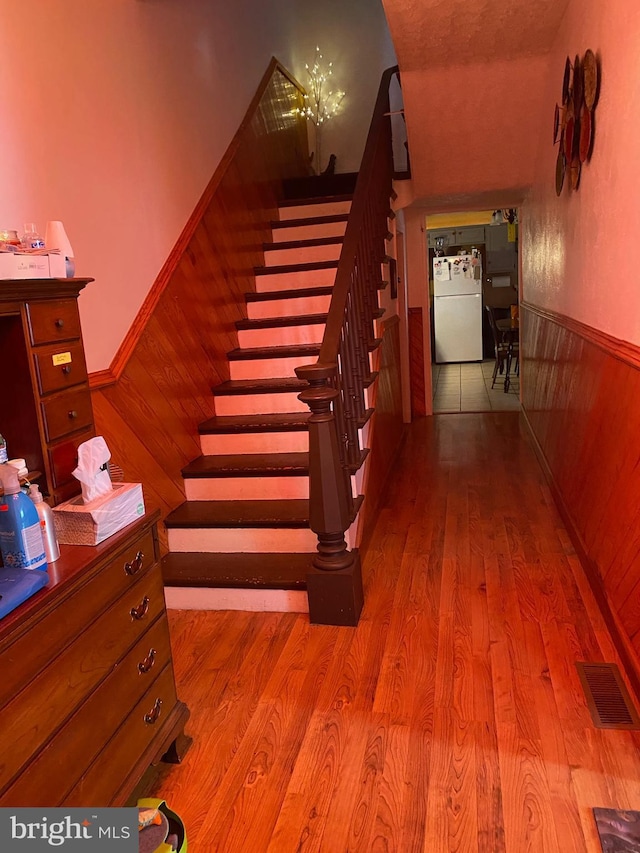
(327, 219)
(261, 571)
(294, 464)
(289, 351)
(305, 201)
(293, 293)
(310, 266)
(321, 186)
(309, 243)
(281, 322)
(248, 465)
(283, 513)
(259, 386)
(232, 424)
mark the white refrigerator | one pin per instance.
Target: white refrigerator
(457, 308)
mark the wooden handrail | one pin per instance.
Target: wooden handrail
(366, 175)
(339, 378)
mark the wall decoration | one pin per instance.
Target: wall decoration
(574, 121)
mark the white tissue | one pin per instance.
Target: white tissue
(93, 469)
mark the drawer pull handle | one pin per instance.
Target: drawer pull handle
(154, 713)
(66, 369)
(59, 322)
(134, 567)
(140, 611)
(146, 664)
(72, 414)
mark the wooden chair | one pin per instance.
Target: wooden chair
(501, 346)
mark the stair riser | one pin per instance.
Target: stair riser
(253, 442)
(309, 232)
(364, 434)
(255, 488)
(259, 404)
(252, 540)
(269, 282)
(370, 395)
(302, 255)
(281, 336)
(254, 600)
(245, 488)
(268, 368)
(326, 208)
(291, 307)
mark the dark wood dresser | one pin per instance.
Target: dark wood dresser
(87, 693)
(46, 411)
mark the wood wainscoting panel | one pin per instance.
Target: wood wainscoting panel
(581, 399)
(416, 363)
(387, 429)
(149, 405)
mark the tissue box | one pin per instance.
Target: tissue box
(88, 524)
(16, 265)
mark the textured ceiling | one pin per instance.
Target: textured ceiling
(473, 74)
(424, 31)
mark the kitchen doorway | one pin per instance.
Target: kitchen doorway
(472, 264)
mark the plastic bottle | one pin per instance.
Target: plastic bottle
(30, 238)
(3, 451)
(21, 541)
(47, 524)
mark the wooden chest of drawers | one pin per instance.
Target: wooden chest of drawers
(87, 695)
(48, 412)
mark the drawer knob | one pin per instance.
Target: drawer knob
(146, 664)
(154, 713)
(134, 567)
(72, 414)
(59, 323)
(66, 369)
(140, 611)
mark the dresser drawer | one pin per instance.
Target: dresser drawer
(68, 412)
(53, 320)
(112, 767)
(58, 368)
(63, 458)
(32, 651)
(29, 720)
(80, 740)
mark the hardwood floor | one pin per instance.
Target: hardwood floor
(451, 719)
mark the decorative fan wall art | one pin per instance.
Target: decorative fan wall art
(574, 121)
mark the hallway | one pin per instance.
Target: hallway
(451, 719)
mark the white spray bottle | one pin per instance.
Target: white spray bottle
(47, 524)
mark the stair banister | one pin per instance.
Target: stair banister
(336, 396)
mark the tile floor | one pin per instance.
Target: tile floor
(466, 387)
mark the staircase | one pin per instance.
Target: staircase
(242, 540)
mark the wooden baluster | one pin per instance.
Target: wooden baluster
(352, 413)
(334, 585)
(341, 413)
(362, 336)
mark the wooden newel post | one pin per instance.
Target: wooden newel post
(334, 585)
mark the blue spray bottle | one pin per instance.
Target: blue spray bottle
(21, 541)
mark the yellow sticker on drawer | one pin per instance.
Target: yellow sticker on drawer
(61, 358)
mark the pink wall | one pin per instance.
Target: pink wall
(121, 111)
(578, 250)
(113, 130)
